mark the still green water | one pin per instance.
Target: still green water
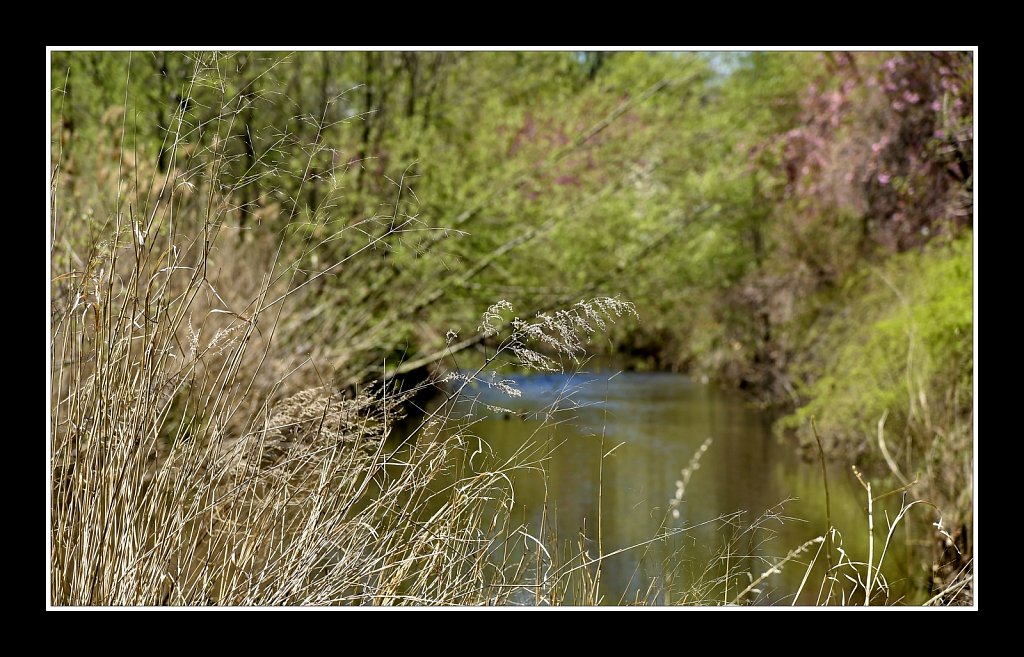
(650, 425)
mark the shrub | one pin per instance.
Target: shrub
(895, 365)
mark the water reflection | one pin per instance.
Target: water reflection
(650, 425)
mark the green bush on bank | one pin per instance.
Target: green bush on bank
(899, 345)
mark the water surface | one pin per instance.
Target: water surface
(650, 425)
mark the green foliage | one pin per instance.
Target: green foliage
(588, 165)
(898, 343)
(530, 177)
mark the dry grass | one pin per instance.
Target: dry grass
(177, 480)
(198, 454)
(183, 474)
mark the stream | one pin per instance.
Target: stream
(751, 500)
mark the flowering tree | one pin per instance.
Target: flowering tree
(887, 139)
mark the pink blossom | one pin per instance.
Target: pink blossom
(897, 105)
(936, 106)
(911, 97)
(884, 178)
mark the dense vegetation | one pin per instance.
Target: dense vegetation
(258, 257)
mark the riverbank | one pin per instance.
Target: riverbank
(882, 362)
